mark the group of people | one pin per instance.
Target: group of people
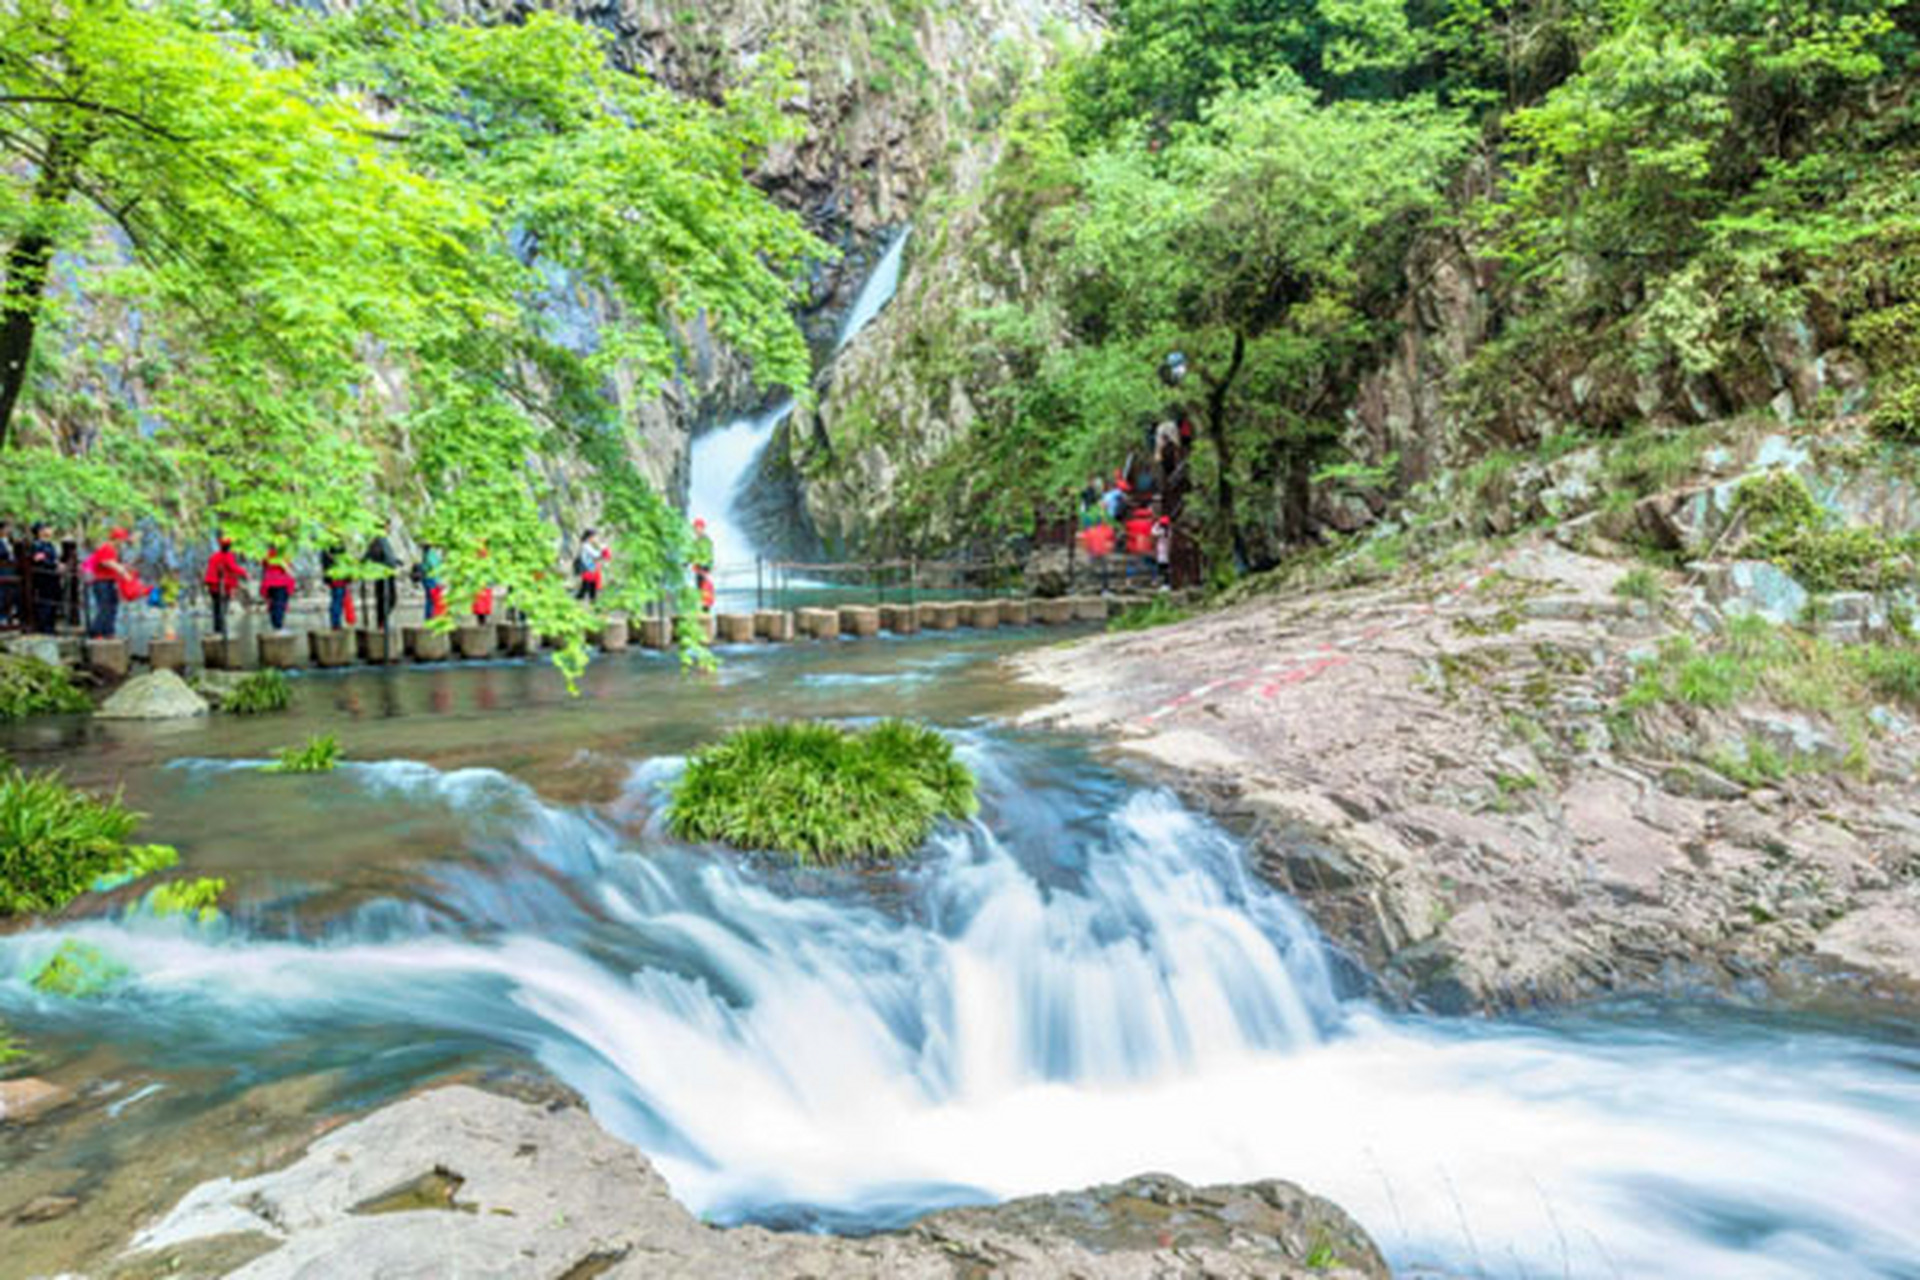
(31, 593)
(34, 584)
(1136, 512)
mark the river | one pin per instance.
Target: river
(1084, 983)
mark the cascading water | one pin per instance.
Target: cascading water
(724, 459)
(1083, 984)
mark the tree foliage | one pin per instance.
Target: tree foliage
(354, 244)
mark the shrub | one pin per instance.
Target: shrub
(1157, 612)
(30, 687)
(823, 794)
(320, 754)
(1786, 526)
(10, 1050)
(198, 898)
(260, 692)
(78, 970)
(1892, 672)
(1641, 583)
(56, 842)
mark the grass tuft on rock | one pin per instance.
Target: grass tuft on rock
(825, 795)
(78, 970)
(259, 693)
(30, 687)
(319, 754)
(197, 898)
(57, 842)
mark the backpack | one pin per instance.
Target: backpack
(582, 563)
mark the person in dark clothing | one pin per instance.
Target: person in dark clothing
(278, 584)
(43, 562)
(386, 591)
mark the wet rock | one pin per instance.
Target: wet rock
(45, 1209)
(158, 695)
(29, 1098)
(489, 1186)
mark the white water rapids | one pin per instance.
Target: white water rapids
(1083, 985)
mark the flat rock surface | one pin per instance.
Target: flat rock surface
(1430, 765)
(458, 1182)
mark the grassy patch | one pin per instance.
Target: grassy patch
(78, 970)
(823, 794)
(318, 754)
(56, 842)
(1785, 525)
(1157, 612)
(1891, 671)
(1642, 583)
(197, 898)
(259, 693)
(30, 687)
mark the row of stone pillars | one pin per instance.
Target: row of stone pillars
(287, 650)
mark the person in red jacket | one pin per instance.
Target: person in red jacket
(108, 575)
(223, 578)
(278, 582)
(483, 605)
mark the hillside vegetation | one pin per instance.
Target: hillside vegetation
(1394, 238)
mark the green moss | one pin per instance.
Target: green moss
(823, 794)
(56, 843)
(198, 898)
(1641, 583)
(76, 971)
(1787, 526)
(319, 754)
(261, 692)
(1157, 612)
(30, 687)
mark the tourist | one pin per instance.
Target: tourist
(1114, 503)
(702, 548)
(279, 584)
(1090, 502)
(588, 566)
(108, 576)
(427, 574)
(223, 578)
(386, 590)
(43, 564)
(1163, 550)
(483, 606)
(339, 589)
(704, 581)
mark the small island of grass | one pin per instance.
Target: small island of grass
(825, 795)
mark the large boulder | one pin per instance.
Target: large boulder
(546, 1188)
(158, 695)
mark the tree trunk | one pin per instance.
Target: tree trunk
(1228, 532)
(23, 292)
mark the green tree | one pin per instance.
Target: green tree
(343, 234)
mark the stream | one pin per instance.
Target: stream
(1084, 983)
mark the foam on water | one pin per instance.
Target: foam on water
(1050, 1001)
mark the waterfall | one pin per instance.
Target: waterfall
(724, 459)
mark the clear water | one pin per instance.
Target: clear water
(1084, 984)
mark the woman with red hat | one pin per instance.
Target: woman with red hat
(279, 584)
(223, 578)
(108, 575)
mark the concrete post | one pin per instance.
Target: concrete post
(331, 648)
(901, 619)
(475, 641)
(859, 620)
(223, 653)
(108, 659)
(167, 655)
(773, 625)
(613, 635)
(820, 624)
(1090, 608)
(984, 615)
(427, 645)
(282, 650)
(1052, 613)
(735, 628)
(378, 647)
(656, 633)
(514, 639)
(1015, 613)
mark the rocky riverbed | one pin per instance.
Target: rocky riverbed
(458, 1181)
(1438, 767)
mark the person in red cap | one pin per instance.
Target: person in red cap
(105, 570)
(278, 582)
(223, 578)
